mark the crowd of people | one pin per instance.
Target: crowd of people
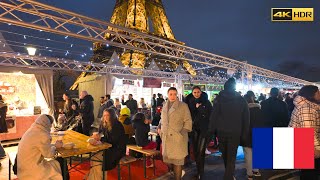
(182, 127)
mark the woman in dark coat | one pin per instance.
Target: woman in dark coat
(113, 133)
(200, 108)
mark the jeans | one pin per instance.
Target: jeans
(228, 146)
(248, 160)
(2, 152)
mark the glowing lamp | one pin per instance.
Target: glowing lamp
(31, 51)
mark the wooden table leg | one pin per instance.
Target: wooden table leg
(145, 166)
(65, 168)
(119, 172)
(104, 165)
(9, 168)
(154, 166)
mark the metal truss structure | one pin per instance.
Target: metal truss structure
(38, 16)
(40, 62)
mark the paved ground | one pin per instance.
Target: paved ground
(214, 170)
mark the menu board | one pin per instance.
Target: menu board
(151, 82)
(214, 88)
(6, 88)
(190, 86)
(128, 82)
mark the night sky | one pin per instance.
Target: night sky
(241, 30)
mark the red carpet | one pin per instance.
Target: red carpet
(136, 171)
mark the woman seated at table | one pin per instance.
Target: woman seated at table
(113, 133)
(34, 146)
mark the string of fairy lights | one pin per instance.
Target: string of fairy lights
(208, 71)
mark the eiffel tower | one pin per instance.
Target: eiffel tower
(140, 15)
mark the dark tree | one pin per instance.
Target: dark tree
(300, 70)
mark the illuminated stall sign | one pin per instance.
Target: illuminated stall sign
(166, 84)
(214, 88)
(128, 82)
(151, 82)
(190, 86)
(6, 88)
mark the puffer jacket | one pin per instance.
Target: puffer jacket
(127, 125)
(306, 114)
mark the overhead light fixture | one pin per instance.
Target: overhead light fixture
(31, 51)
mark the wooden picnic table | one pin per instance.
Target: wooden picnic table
(81, 144)
(81, 147)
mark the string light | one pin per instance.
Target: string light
(221, 74)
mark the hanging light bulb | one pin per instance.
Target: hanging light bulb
(31, 51)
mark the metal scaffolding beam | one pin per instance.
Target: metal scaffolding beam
(40, 62)
(26, 61)
(38, 16)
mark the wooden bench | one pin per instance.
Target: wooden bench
(146, 153)
(125, 161)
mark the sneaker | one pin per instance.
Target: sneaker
(197, 177)
(183, 173)
(150, 166)
(207, 152)
(171, 173)
(256, 173)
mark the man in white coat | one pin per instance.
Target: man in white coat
(33, 148)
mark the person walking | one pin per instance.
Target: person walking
(174, 126)
(230, 119)
(200, 108)
(255, 122)
(306, 115)
(274, 110)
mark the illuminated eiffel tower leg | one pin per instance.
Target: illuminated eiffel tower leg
(159, 19)
(137, 14)
(136, 19)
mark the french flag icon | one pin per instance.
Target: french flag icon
(283, 148)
